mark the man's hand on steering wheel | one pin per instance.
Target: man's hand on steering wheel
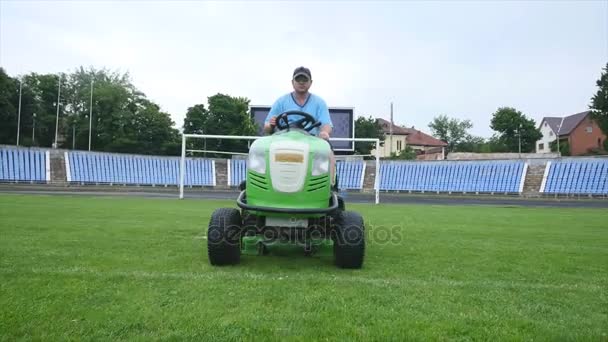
(307, 123)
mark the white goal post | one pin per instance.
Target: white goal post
(182, 167)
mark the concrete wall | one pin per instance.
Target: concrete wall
(490, 156)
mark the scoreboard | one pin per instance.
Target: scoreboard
(343, 119)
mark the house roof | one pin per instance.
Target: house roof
(418, 138)
(386, 128)
(414, 136)
(569, 122)
(553, 122)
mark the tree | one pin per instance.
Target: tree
(407, 153)
(9, 88)
(124, 120)
(599, 102)
(473, 144)
(564, 147)
(194, 123)
(451, 130)
(226, 115)
(39, 97)
(510, 123)
(367, 127)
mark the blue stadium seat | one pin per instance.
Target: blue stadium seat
(237, 171)
(452, 176)
(22, 165)
(87, 167)
(350, 174)
(577, 177)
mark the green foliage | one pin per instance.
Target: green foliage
(194, 123)
(509, 123)
(473, 144)
(43, 102)
(451, 130)
(9, 91)
(564, 147)
(124, 120)
(226, 115)
(406, 154)
(605, 144)
(599, 102)
(367, 127)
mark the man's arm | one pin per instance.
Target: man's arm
(269, 126)
(325, 132)
(271, 118)
(326, 124)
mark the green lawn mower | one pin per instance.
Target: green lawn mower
(290, 196)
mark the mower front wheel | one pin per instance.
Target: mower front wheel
(349, 240)
(224, 237)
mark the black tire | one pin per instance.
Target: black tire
(341, 205)
(224, 237)
(349, 240)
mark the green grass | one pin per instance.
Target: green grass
(129, 268)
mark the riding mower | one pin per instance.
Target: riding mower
(290, 196)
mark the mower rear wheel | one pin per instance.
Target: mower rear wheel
(224, 237)
(349, 240)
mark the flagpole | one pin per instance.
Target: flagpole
(90, 114)
(391, 131)
(19, 115)
(57, 119)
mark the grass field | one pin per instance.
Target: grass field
(131, 268)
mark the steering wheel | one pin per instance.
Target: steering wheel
(307, 123)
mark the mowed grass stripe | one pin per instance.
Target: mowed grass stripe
(219, 275)
(130, 268)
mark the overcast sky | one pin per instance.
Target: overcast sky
(463, 59)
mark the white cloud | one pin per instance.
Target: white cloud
(461, 59)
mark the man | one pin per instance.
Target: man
(302, 100)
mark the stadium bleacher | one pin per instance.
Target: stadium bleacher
(351, 174)
(567, 176)
(462, 176)
(576, 177)
(107, 168)
(23, 165)
(237, 169)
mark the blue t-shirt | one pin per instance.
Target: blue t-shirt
(314, 106)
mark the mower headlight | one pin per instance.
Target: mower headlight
(320, 164)
(257, 158)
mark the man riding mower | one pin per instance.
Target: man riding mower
(288, 197)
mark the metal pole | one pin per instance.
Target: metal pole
(74, 136)
(519, 138)
(90, 115)
(19, 115)
(57, 119)
(34, 129)
(390, 152)
(182, 168)
(377, 182)
(558, 130)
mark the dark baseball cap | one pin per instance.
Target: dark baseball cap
(302, 71)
